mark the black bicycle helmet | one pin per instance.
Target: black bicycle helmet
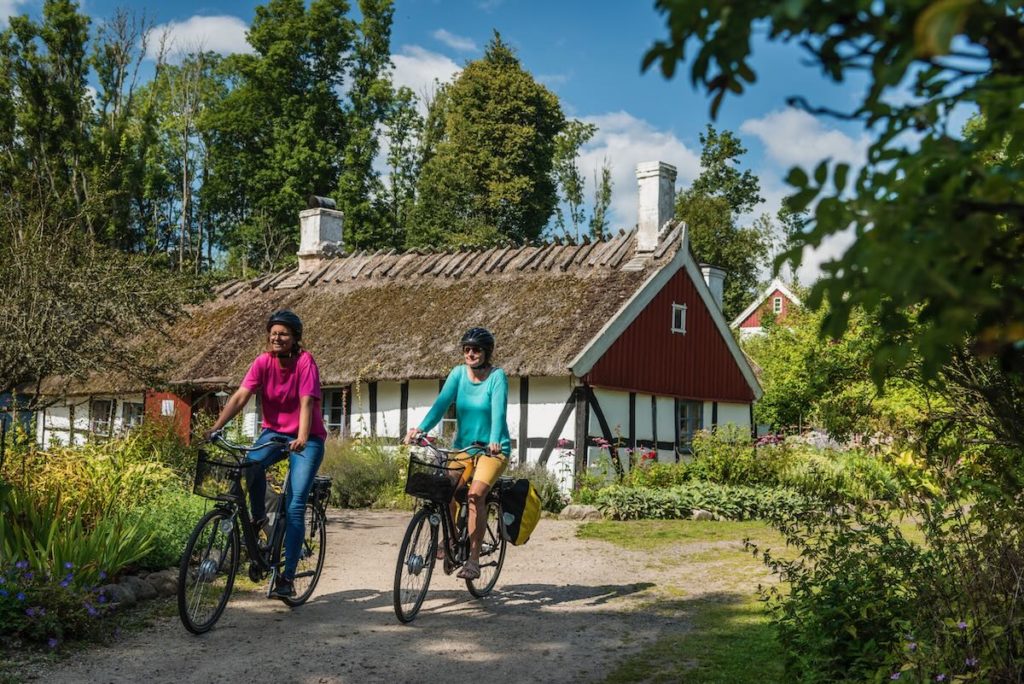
(286, 317)
(479, 337)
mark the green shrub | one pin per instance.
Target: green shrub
(46, 608)
(732, 502)
(169, 519)
(658, 475)
(48, 532)
(366, 472)
(545, 482)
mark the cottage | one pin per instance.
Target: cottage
(777, 300)
(620, 340)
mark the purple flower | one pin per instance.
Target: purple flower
(68, 565)
(31, 612)
(52, 643)
(28, 576)
(961, 625)
(20, 596)
(103, 598)
(102, 575)
(912, 646)
(3, 580)
(894, 675)
(65, 584)
(3, 593)
(91, 611)
(941, 677)
(21, 565)
(971, 662)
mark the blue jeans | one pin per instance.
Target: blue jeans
(302, 467)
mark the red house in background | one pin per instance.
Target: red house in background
(777, 300)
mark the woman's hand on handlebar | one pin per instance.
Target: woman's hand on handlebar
(494, 449)
(412, 436)
(211, 434)
(297, 444)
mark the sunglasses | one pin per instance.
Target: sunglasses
(475, 350)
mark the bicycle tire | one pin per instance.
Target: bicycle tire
(492, 553)
(311, 564)
(206, 574)
(415, 566)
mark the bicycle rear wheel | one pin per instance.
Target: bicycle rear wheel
(311, 558)
(207, 571)
(492, 553)
(415, 565)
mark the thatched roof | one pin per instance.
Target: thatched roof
(393, 316)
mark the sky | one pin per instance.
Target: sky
(589, 54)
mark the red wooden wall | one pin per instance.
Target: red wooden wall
(648, 357)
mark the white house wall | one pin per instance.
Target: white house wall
(389, 408)
(53, 423)
(733, 414)
(547, 397)
(666, 428)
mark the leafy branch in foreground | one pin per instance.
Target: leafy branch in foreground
(938, 217)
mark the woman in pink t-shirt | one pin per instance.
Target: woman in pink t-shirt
(288, 383)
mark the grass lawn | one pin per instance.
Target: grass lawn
(725, 635)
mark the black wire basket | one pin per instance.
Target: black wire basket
(218, 480)
(431, 481)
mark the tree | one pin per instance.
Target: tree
(712, 207)
(567, 148)
(370, 96)
(489, 149)
(73, 306)
(404, 130)
(602, 201)
(940, 232)
(278, 135)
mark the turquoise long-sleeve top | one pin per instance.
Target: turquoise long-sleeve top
(480, 409)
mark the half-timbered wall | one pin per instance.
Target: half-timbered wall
(54, 423)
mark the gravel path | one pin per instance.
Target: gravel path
(564, 610)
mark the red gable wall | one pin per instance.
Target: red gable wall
(649, 357)
(754, 319)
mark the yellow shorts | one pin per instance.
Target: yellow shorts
(487, 469)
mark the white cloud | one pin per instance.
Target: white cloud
(793, 137)
(417, 68)
(223, 34)
(9, 8)
(455, 42)
(626, 140)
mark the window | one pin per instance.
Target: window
(101, 414)
(777, 305)
(131, 414)
(691, 419)
(679, 318)
(335, 405)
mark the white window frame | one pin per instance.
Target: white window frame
(330, 407)
(690, 419)
(679, 318)
(101, 425)
(777, 305)
(129, 417)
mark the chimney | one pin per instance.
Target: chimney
(320, 232)
(715, 278)
(657, 181)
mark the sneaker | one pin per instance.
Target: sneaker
(283, 589)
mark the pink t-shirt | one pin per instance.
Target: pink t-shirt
(280, 389)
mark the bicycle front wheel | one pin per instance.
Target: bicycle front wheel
(492, 553)
(415, 565)
(311, 556)
(207, 571)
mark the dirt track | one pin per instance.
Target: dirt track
(564, 610)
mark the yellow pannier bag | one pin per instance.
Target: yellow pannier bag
(520, 510)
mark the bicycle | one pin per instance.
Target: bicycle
(211, 557)
(431, 480)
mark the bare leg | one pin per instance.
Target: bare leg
(477, 517)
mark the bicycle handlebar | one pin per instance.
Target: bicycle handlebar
(473, 450)
(219, 439)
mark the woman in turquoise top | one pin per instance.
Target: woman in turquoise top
(480, 393)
